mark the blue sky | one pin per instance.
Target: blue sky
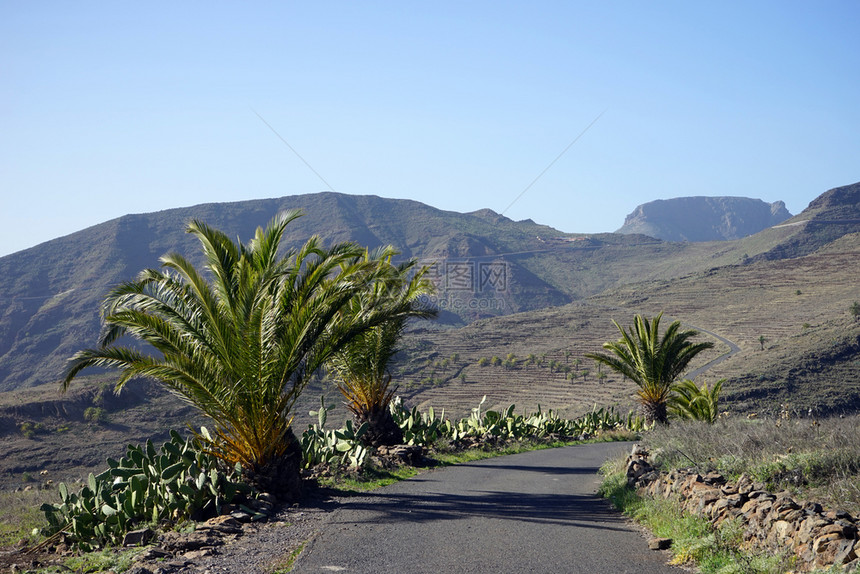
(108, 108)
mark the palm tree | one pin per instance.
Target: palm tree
(651, 361)
(695, 403)
(361, 366)
(242, 343)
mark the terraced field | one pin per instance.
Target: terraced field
(800, 306)
(562, 335)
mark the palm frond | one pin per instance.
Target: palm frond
(650, 360)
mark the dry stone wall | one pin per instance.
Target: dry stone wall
(772, 522)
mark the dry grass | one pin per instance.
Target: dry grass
(20, 514)
(815, 460)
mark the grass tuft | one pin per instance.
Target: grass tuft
(694, 540)
(20, 514)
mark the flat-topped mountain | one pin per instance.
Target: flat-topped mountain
(704, 218)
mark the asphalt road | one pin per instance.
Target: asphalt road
(534, 512)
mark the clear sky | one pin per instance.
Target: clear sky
(108, 108)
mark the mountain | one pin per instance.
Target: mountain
(704, 218)
(828, 217)
(50, 293)
(776, 304)
(485, 266)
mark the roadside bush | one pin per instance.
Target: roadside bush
(336, 448)
(177, 482)
(427, 428)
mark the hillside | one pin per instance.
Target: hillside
(830, 216)
(483, 264)
(704, 218)
(791, 285)
(51, 292)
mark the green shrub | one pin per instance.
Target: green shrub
(333, 447)
(95, 415)
(31, 429)
(178, 482)
(695, 403)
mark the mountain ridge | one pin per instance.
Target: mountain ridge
(50, 293)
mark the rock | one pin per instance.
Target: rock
(812, 508)
(270, 498)
(714, 478)
(260, 506)
(151, 554)
(639, 450)
(223, 524)
(825, 543)
(181, 543)
(660, 543)
(846, 552)
(241, 516)
(197, 554)
(137, 537)
(411, 454)
(783, 529)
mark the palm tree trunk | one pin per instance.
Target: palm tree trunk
(655, 412)
(382, 430)
(280, 477)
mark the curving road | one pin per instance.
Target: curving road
(533, 512)
(733, 349)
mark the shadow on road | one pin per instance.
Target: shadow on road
(560, 470)
(585, 511)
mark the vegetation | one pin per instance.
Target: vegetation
(426, 428)
(651, 361)
(695, 403)
(20, 514)
(814, 459)
(361, 366)
(178, 482)
(334, 448)
(694, 539)
(242, 345)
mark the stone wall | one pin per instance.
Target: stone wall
(774, 523)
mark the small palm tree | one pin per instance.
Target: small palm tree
(361, 366)
(242, 343)
(695, 403)
(651, 361)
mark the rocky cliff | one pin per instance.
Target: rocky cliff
(704, 218)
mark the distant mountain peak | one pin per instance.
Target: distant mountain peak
(704, 218)
(489, 215)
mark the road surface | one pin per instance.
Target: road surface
(534, 512)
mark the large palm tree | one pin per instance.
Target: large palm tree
(241, 342)
(361, 366)
(651, 361)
